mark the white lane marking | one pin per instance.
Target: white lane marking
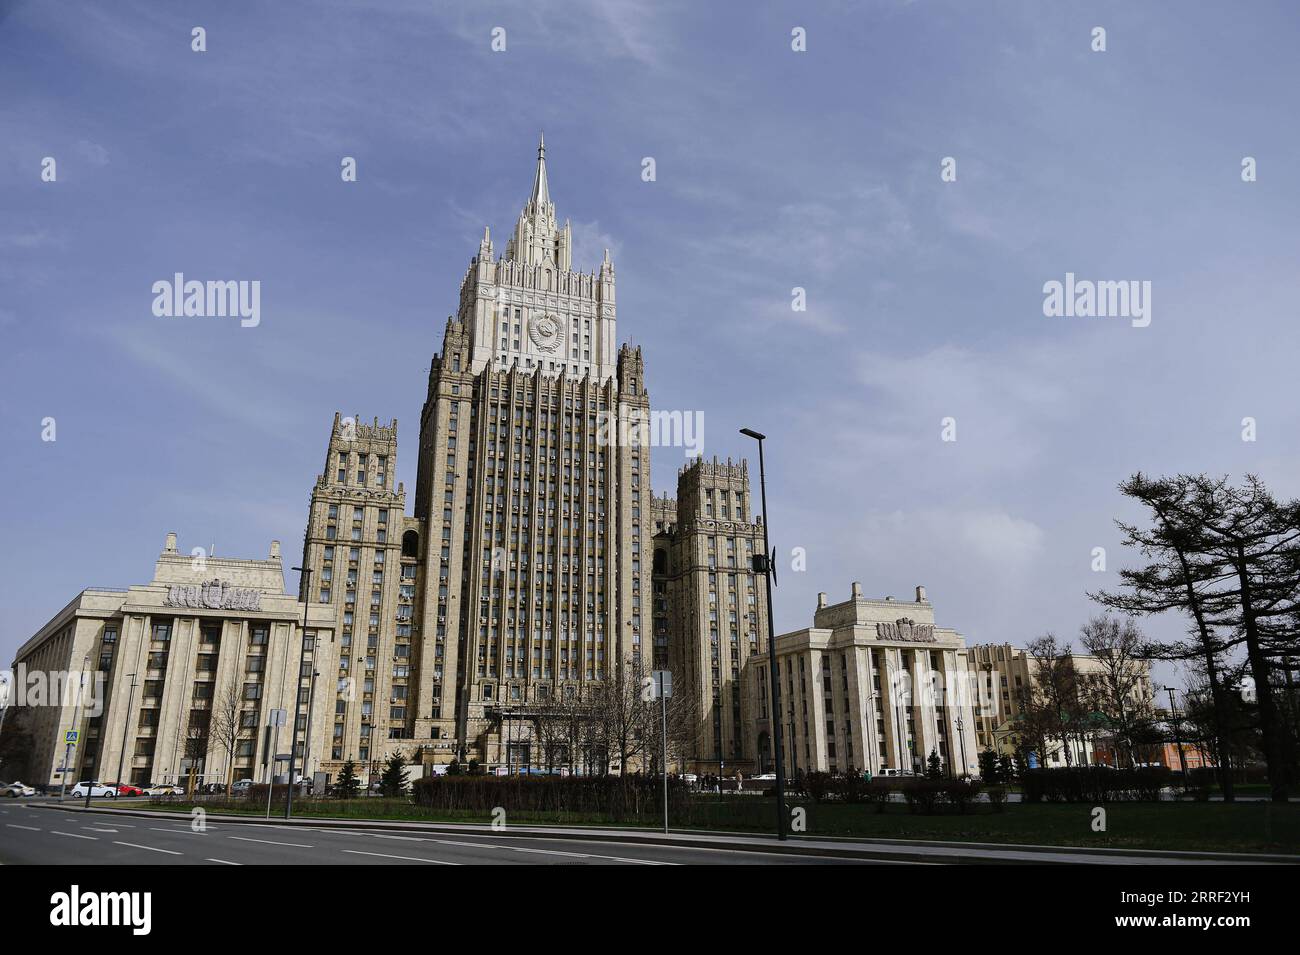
(582, 855)
(223, 861)
(404, 838)
(552, 852)
(97, 829)
(184, 832)
(471, 845)
(73, 835)
(170, 852)
(358, 852)
(296, 845)
(14, 825)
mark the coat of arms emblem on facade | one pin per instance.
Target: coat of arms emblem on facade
(906, 630)
(546, 332)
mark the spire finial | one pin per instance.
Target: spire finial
(541, 191)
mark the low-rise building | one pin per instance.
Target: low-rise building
(873, 684)
(133, 685)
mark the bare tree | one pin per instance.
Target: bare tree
(1055, 684)
(1115, 689)
(224, 726)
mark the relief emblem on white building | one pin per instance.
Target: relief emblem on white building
(546, 332)
(216, 595)
(906, 630)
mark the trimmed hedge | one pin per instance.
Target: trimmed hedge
(616, 796)
(1094, 784)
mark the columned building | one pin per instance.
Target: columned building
(873, 684)
(209, 642)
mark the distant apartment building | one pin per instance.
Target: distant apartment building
(1007, 678)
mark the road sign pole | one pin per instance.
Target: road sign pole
(270, 771)
(663, 712)
(63, 776)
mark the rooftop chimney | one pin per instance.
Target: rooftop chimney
(275, 550)
(857, 590)
(170, 546)
(920, 594)
(821, 601)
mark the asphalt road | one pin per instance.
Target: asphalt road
(31, 835)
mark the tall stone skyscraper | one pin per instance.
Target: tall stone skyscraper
(525, 576)
(533, 530)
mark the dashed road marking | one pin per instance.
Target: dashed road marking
(296, 845)
(170, 852)
(358, 852)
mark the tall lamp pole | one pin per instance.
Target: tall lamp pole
(297, 692)
(764, 566)
(126, 725)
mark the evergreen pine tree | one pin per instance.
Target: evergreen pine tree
(394, 782)
(348, 785)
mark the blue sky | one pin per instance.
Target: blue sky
(775, 169)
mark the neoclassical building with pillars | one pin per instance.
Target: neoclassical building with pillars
(162, 658)
(873, 684)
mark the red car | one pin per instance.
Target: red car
(126, 789)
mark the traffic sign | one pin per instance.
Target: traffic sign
(661, 684)
(70, 736)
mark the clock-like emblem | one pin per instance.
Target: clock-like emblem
(546, 332)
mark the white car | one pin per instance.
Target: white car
(96, 789)
(15, 789)
(163, 789)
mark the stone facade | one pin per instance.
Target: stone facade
(710, 609)
(207, 632)
(873, 684)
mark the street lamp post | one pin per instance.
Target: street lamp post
(961, 739)
(306, 740)
(126, 725)
(1178, 736)
(297, 692)
(765, 567)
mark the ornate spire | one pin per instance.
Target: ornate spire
(541, 197)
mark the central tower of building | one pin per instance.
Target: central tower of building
(530, 505)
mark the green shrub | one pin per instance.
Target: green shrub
(1094, 784)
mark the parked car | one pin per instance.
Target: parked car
(765, 778)
(16, 789)
(96, 788)
(126, 789)
(242, 787)
(163, 789)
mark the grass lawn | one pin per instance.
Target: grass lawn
(1208, 827)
